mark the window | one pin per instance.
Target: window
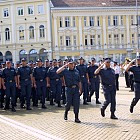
(42, 31)
(31, 32)
(122, 39)
(91, 21)
(21, 33)
(7, 34)
(6, 12)
(98, 21)
(74, 41)
(68, 42)
(138, 20)
(74, 22)
(86, 40)
(115, 20)
(99, 40)
(133, 40)
(92, 40)
(116, 39)
(110, 40)
(20, 11)
(132, 20)
(40, 9)
(67, 22)
(109, 21)
(61, 40)
(121, 20)
(60, 21)
(85, 21)
(30, 10)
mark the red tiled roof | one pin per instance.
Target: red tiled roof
(94, 3)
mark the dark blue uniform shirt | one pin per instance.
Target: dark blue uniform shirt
(71, 77)
(25, 72)
(52, 73)
(9, 74)
(107, 76)
(40, 73)
(91, 70)
(136, 72)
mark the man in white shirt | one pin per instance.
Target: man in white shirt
(117, 73)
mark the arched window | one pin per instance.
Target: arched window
(7, 34)
(31, 32)
(42, 31)
(21, 33)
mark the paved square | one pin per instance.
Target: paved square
(49, 124)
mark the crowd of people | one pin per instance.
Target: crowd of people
(63, 82)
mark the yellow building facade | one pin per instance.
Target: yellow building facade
(57, 29)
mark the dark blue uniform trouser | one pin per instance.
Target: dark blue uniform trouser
(26, 91)
(10, 91)
(33, 94)
(137, 94)
(72, 98)
(41, 91)
(2, 97)
(110, 97)
(85, 90)
(94, 87)
(63, 93)
(127, 80)
(56, 87)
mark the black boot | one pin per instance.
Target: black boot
(13, 109)
(89, 98)
(28, 108)
(113, 116)
(97, 101)
(59, 104)
(66, 115)
(51, 102)
(131, 108)
(7, 104)
(43, 106)
(103, 112)
(77, 119)
(85, 102)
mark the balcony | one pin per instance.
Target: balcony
(68, 48)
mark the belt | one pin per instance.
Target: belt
(41, 80)
(74, 86)
(137, 81)
(82, 75)
(107, 85)
(93, 77)
(10, 81)
(56, 79)
(24, 79)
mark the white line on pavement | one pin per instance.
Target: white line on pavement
(30, 130)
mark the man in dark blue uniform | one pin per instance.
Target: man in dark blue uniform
(55, 84)
(84, 76)
(9, 82)
(109, 88)
(93, 81)
(40, 78)
(25, 82)
(73, 85)
(136, 71)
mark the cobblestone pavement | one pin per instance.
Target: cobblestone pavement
(49, 124)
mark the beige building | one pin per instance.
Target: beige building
(68, 28)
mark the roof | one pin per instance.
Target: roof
(94, 3)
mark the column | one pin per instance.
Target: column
(127, 31)
(49, 21)
(55, 32)
(120, 40)
(104, 37)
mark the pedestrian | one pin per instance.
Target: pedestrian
(9, 83)
(117, 74)
(73, 85)
(94, 81)
(55, 84)
(82, 68)
(40, 82)
(107, 75)
(25, 82)
(136, 71)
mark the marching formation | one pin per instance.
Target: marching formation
(63, 82)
